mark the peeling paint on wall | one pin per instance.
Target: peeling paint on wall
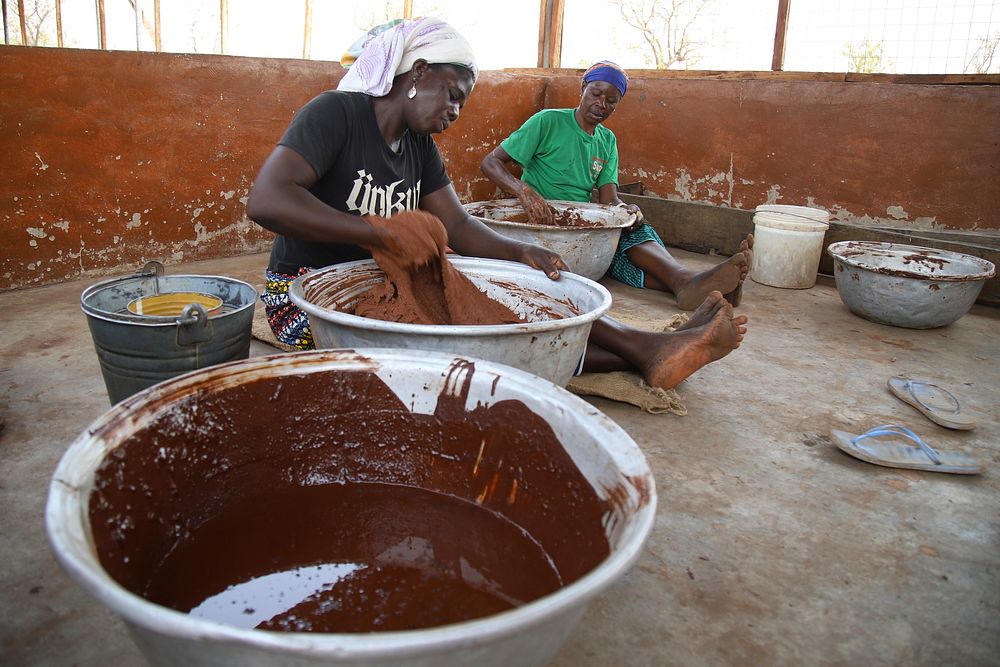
(682, 185)
(701, 189)
(897, 212)
(844, 215)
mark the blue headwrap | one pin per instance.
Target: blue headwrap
(609, 72)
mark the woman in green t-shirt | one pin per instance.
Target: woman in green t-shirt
(565, 154)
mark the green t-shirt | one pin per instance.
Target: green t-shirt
(561, 161)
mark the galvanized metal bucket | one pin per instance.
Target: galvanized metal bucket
(137, 351)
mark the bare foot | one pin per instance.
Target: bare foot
(705, 312)
(736, 296)
(726, 276)
(681, 353)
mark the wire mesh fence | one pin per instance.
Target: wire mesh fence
(872, 36)
(894, 36)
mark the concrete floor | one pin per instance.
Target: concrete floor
(771, 547)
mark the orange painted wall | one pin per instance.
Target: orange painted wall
(111, 159)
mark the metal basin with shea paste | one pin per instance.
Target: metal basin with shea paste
(907, 286)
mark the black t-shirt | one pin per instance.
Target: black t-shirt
(337, 134)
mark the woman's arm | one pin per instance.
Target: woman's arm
(468, 236)
(280, 201)
(495, 167)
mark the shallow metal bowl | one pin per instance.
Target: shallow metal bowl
(587, 246)
(905, 285)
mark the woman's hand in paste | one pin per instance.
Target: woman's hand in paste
(538, 210)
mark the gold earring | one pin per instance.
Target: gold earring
(412, 92)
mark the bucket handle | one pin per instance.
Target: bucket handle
(193, 326)
(155, 269)
(793, 215)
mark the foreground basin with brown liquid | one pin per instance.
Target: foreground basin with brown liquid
(351, 507)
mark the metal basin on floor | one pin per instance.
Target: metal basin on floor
(907, 286)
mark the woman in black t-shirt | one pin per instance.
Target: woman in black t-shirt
(365, 149)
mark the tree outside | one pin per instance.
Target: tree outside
(667, 30)
(38, 14)
(981, 60)
(866, 58)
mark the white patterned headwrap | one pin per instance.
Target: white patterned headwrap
(391, 49)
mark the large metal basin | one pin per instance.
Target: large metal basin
(907, 286)
(587, 247)
(204, 444)
(550, 348)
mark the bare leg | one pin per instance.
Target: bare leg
(665, 273)
(600, 360)
(664, 359)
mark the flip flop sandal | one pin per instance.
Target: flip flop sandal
(896, 454)
(936, 403)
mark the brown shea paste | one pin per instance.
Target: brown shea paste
(567, 216)
(262, 505)
(560, 218)
(421, 285)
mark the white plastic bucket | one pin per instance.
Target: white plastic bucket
(788, 244)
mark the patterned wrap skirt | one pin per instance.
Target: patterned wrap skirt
(289, 324)
(622, 268)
